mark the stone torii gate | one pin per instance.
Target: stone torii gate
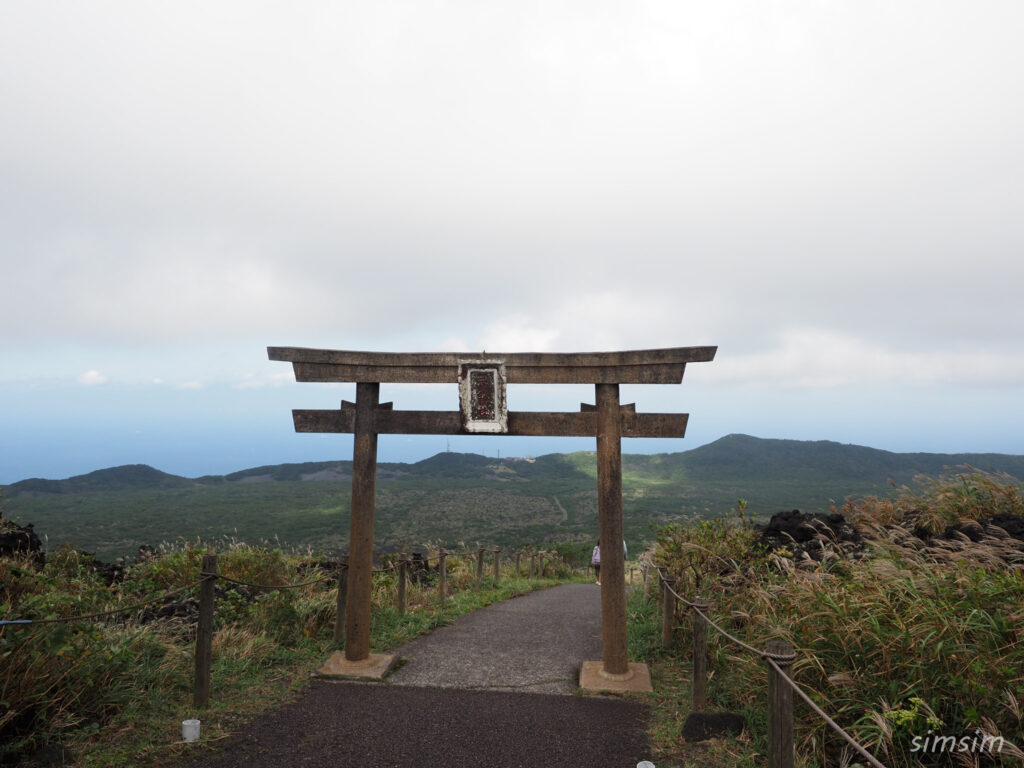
(482, 380)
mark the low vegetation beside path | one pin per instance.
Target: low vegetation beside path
(905, 613)
(113, 690)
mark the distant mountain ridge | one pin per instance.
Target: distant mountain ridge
(455, 499)
(733, 457)
(742, 456)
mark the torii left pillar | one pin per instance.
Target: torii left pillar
(357, 660)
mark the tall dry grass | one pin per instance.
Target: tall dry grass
(917, 634)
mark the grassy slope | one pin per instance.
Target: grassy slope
(114, 693)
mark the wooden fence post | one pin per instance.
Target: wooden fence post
(668, 611)
(698, 698)
(518, 554)
(497, 554)
(540, 567)
(780, 708)
(403, 571)
(479, 567)
(442, 577)
(339, 614)
(533, 563)
(204, 631)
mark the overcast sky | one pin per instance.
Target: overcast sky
(831, 192)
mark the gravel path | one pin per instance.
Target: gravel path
(489, 690)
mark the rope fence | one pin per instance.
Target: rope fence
(779, 657)
(101, 614)
(209, 575)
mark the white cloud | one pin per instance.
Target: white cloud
(453, 344)
(259, 381)
(815, 358)
(744, 162)
(516, 334)
(92, 378)
(191, 385)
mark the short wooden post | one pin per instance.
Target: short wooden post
(339, 616)
(403, 571)
(497, 554)
(698, 699)
(442, 575)
(780, 707)
(479, 567)
(518, 554)
(533, 564)
(668, 611)
(204, 631)
(540, 567)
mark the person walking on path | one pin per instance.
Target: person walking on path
(595, 559)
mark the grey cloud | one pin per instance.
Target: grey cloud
(377, 171)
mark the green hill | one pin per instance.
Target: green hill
(460, 497)
(128, 477)
(742, 456)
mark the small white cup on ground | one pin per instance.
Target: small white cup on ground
(190, 730)
(645, 764)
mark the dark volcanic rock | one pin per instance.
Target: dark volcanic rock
(17, 539)
(1012, 524)
(182, 609)
(111, 573)
(1000, 536)
(976, 530)
(420, 571)
(813, 534)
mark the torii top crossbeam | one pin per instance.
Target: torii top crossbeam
(645, 366)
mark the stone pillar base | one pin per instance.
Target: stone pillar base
(375, 667)
(593, 679)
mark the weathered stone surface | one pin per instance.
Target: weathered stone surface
(593, 681)
(376, 666)
(701, 726)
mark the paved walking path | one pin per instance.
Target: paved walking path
(489, 690)
(533, 643)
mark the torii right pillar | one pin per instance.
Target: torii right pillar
(614, 672)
